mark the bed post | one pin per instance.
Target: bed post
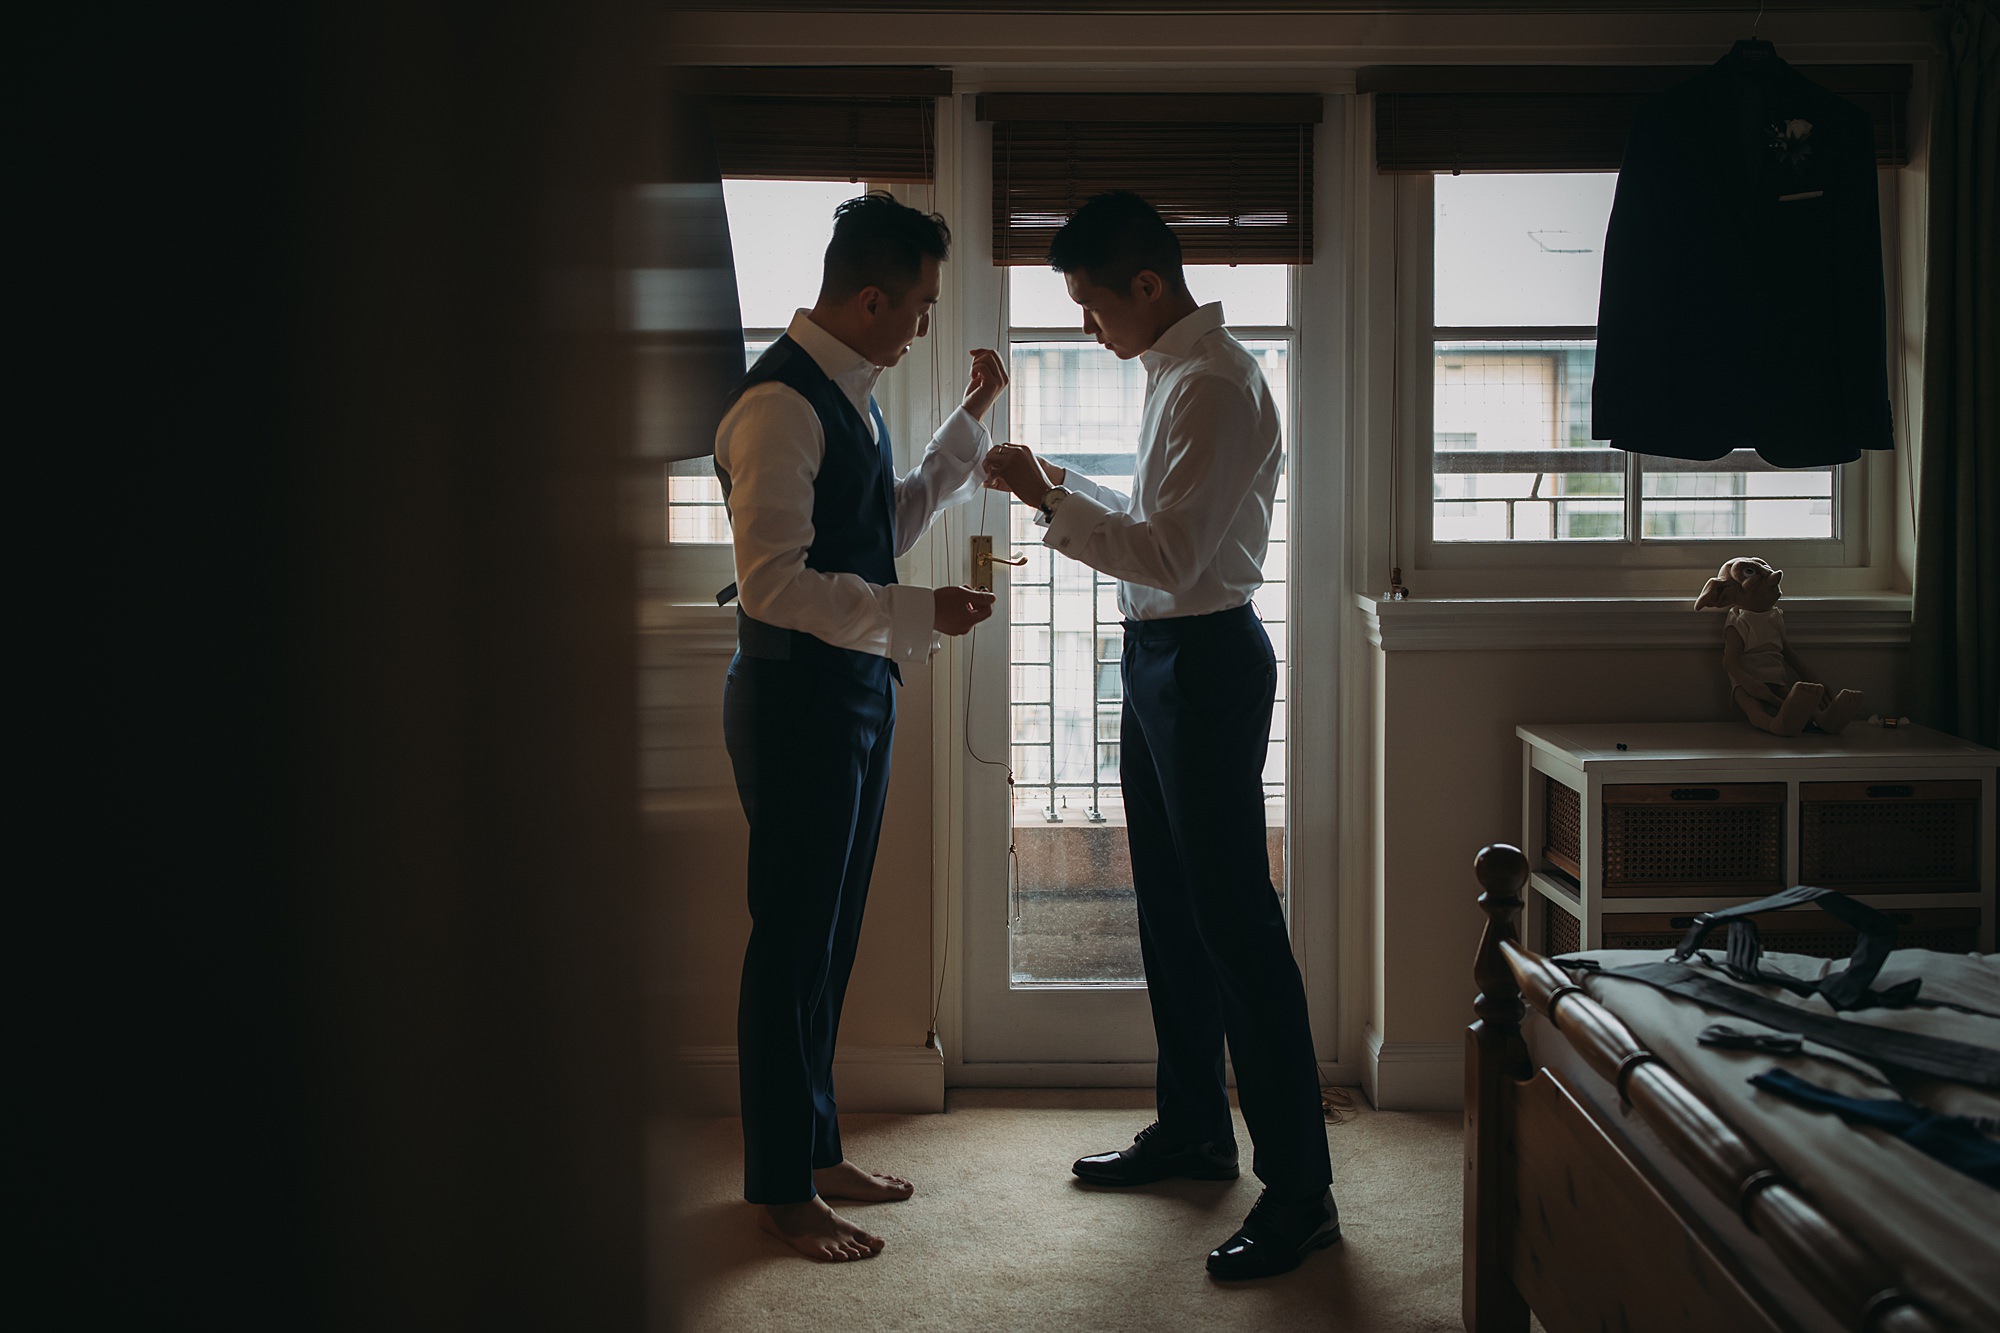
(1494, 1057)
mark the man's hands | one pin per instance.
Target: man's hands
(988, 378)
(956, 610)
(1014, 467)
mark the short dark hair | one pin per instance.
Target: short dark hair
(1112, 238)
(878, 242)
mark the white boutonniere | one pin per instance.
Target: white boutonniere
(1791, 142)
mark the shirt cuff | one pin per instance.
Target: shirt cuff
(912, 612)
(1078, 484)
(1073, 520)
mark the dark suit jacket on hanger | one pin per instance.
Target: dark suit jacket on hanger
(1742, 302)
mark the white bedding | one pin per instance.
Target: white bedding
(1938, 1227)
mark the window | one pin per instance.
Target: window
(1077, 405)
(778, 232)
(1495, 488)
(1516, 263)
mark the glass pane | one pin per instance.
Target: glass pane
(1512, 458)
(1030, 682)
(1031, 644)
(695, 516)
(1270, 602)
(1038, 558)
(1274, 781)
(695, 513)
(1251, 294)
(1522, 249)
(1273, 358)
(1078, 405)
(1736, 496)
(1107, 602)
(1274, 554)
(778, 231)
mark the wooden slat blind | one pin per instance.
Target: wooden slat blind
(1568, 118)
(826, 138)
(822, 123)
(1231, 173)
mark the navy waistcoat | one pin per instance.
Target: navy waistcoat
(853, 515)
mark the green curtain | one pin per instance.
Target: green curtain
(1955, 630)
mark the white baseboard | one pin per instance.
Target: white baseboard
(1414, 1075)
(1102, 1074)
(701, 1080)
(1052, 1074)
(908, 1080)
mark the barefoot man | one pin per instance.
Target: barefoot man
(818, 516)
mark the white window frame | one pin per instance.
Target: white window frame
(1859, 558)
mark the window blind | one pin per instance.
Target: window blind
(1566, 117)
(1232, 174)
(820, 123)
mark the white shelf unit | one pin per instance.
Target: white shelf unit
(1632, 829)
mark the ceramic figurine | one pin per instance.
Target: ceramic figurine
(1772, 687)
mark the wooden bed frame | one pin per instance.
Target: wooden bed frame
(1568, 1215)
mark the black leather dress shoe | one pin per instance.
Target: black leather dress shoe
(1276, 1237)
(1148, 1160)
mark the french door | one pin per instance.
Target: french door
(1054, 988)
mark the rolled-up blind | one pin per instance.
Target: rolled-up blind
(1567, 117)
(824, 124)
(1231, 173)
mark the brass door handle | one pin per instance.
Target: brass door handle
(983, 560)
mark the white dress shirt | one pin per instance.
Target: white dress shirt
(1190, 537)
(771, 444)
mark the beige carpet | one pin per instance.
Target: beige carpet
(1000, 1236)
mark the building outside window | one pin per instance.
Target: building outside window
(1516, 264)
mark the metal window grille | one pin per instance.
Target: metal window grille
(1079, 407)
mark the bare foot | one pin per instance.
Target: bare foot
(1797, 709)
(817, 1232)
(1840, 710)
(848, 1181)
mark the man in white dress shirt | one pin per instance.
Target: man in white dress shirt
(1187, 547)
(818, 516)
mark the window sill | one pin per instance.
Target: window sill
(1488, 624)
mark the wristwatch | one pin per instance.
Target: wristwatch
(1051, 498)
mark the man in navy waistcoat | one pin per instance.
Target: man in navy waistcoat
(818, 516)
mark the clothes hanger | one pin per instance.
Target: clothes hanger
(1751, 50)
